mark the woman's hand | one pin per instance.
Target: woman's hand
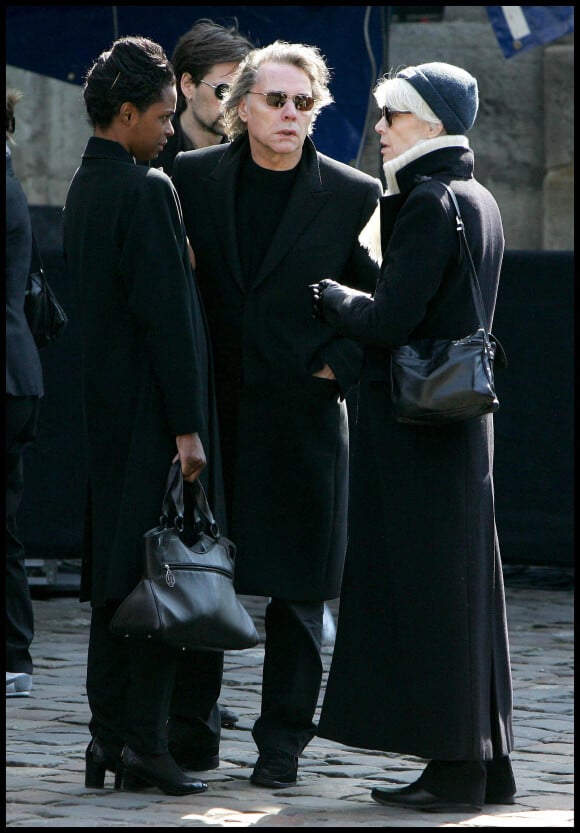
(317, 290)
(191, 455)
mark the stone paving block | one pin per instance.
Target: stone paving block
(46, 736)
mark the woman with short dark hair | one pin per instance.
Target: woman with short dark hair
(147, 402)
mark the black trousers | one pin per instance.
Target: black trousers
(21, 424)
(134, 686)
(292, 675)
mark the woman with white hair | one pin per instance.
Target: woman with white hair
(422, 634)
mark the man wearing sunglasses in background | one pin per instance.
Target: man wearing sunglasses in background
(267, 215)
(204, 59)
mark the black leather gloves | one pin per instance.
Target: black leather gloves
(322, 307)
(332, 301)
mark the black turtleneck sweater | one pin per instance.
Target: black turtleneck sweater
(260, 201)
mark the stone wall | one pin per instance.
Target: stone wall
(51, 133)
(523, 136)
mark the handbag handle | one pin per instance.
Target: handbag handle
(500, 358)
(202, 514)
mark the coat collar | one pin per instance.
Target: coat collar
(9, 168)
(306, 200)
(419, 157)
(446, 157)
(98, 148)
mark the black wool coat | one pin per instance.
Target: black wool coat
(421, 659)
(146, 369)
(284, 432)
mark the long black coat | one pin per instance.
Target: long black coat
(421, 663)
(146, 369)
(284, 432)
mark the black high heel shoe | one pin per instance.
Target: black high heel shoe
(100, 758)
(159, 771)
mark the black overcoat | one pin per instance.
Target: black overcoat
(284, 432)
(421, 662)
(146, 369)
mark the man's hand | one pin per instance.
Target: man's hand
(191, 455)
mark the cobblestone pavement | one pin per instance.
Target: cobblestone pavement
(47, 734)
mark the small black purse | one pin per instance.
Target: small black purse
(46, 318)
(441, 381)
(186, 598)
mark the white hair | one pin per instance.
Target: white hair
(398, 94)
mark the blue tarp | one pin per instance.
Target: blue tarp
(519, 28)
(62, 42)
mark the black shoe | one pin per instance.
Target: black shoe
(500, 785)
(100, 758)
(198, 760)
(228, 718)
(275, 768)
(492, 797)
(186, 749)
(415, 797)
(159, 771)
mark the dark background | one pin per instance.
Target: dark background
(71, 37)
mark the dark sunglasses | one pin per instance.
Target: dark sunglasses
(276, 99)
(219, 90)
(388, 114)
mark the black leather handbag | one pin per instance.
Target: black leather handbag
(441, 381)
(186, 598)
(46, 318)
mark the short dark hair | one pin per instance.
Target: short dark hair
(134, 69)
(207, 43)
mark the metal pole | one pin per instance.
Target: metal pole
(115, 23)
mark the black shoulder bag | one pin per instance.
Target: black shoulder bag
(440, 381)
(46, 318)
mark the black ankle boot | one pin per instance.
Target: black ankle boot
(159, 771)
(99, 758)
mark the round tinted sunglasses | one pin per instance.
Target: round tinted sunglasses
(277, 99)
(388, 114)
(219, 90)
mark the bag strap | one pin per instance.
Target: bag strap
(173, 499)
(501, 359)
(464, 249)
(39, 267)
(36, 253)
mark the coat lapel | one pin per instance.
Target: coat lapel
(222, 197)
(306, 200)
